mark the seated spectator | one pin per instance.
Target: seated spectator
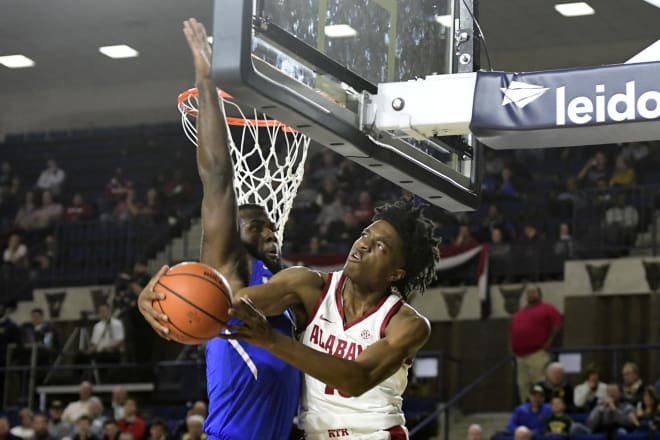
(464, 239)
(137, 334)
(96, 416)
(52, 178)
(116, 188)
(498, 248)
(40, 426)
(158, 430)
(25, 429)
(151, 212)
(75, 410)
(131, 422)
(594, 170)
(568, 199)
(522, 433)
(342, 234)
(590, 392)
(632, 387)
(565, 246)
(128, 208)
(6, 175)
(530, 232)
(333, 212)
(195, 423)
(24, 215)
(5, 433)
(621, 221)
(611, 415)
(199, 408)
(507, 188)
(79, 210)
(364, 211)
(492, 220)
(532, 413)
(9, 203)
(48, 213)
(57, 427)
(177, 193)
(16, 253)
(126, 436)
(624, 174)
(474, 432)
(117, 402)
(83, 429)
(107, 341)
(45, 254)
(39, 331)
(110, 430)
(558, 422)
(556, 385)
(647, 416)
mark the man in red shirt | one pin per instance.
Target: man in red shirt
(531, 333)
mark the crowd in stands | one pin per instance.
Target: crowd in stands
(92, 418)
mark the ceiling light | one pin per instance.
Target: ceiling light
(444, 20)
(118, 51)
(655, 3)
(16, 61)
(574, 9)
(340, 31)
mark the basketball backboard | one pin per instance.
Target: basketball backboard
(315, 64)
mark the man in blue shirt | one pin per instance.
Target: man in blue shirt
(252, 394)
(531, 414)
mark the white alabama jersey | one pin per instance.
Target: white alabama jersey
(325, 412)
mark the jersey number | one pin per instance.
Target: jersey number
(331, 391)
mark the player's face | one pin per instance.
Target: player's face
(376, 258)
(258, 236)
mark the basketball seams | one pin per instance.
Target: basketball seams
(222, 288)
(190, 303)
(177, 328)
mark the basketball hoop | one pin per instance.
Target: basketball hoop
(266, 173)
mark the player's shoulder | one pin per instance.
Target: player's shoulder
(301, 275)
(408, 319)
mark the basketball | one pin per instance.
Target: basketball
(197, 298)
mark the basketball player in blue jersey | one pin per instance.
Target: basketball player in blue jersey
(252, 394)
(360, 334)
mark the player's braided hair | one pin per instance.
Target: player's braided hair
(420, 249)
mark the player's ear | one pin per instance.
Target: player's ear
(397, 275)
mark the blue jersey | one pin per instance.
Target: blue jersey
(252, 394)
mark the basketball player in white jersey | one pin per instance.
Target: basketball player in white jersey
(360, 335)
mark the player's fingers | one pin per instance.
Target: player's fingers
(154, 280)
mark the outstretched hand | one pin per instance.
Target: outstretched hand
(145, 305)
(199, 45)
(255, 328)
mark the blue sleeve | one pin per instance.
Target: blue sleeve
(513, 421)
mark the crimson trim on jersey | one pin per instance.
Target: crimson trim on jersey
(340, 306)
(328, 282)
(395, 308)
(397, 433)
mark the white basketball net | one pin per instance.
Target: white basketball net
(269, 160)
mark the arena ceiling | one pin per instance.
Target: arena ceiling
(72, 85)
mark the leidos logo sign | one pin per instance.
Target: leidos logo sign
(585, 109)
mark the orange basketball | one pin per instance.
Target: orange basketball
(196, 301)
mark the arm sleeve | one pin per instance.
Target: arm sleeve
(580, 395)
(513, 421)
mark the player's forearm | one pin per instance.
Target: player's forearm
(213, 153)
(345, 376)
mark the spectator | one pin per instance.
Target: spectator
(24, 215)
(131, 422)
(464, 239)
(177, 193)
(199, 408)
(96, 417)
(16, 253)
(118, 401)
(498, 248)
(621, 222)
(594, 170)
(556, 385)
(492, 220)
(158, 430)
(52, 178)
(558, 422)
(107, 342)
(343, 233)
(126, 436)
(507, 188)
(568, 199)
(531, 333)
(48, 213)
(565, 246)
(334, 212)
(522, 433)
(38, 331)
(138, 338)
(116, 188)
(9, 334)
(57, 427)
(647, 416)
(83, 429)
(623, 175)
(195, 423)
(80, 407)
(328, 191)
(474, 432)
(531, 414)
(590, 392)
(45, 254)
(611, 415)
(632, 388)
(79, 210)
(128, 208)
(25, 429)
(152, 211)
(530, 232)
(9, 204)
(5, 433)
(6, 176)
(40, 426)
(364, 211)
(110, 430)
(328, 167)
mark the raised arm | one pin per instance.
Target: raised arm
(221, 245)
